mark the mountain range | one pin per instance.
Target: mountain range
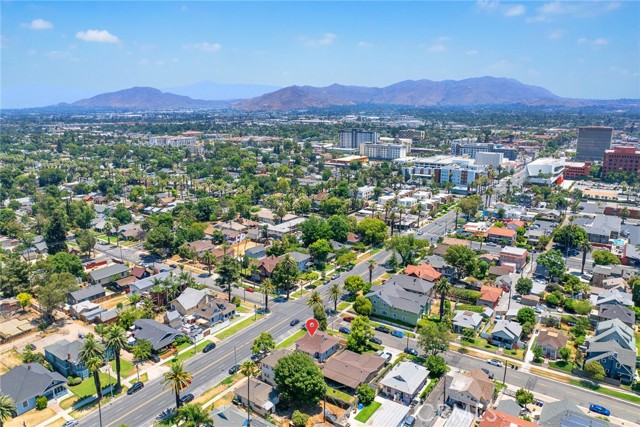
(480, 91)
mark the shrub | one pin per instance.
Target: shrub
(299, 419)
(74, 380)
(366, 394)
(41, 403)
(236, 301)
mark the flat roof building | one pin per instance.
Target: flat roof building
(621, 159)
(592, 142)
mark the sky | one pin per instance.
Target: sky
(79, 48)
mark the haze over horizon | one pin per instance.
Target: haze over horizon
(72, 50)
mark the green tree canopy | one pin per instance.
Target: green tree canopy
(433, 337)
(362, 306)
(526, 314)
(299, 379)
(604, 257)
(594, 370)
(372, 230)
(358, 339)
(524, 285)
(263, 344)
(553, 261)
(462, 258)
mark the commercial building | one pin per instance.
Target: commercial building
(354, 137)
(383, 151)
(489, 159)
(461, 172)
(573, 170)
(173, 141)
(592, 142)
(545, 170)
(411, 133)
(471, 149)
(513, 255)
(621, 159)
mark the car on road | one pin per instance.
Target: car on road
(397, 333)
(344, 330)
(496, 362)
(488, 372)
(294, 322)
(599, 410)
(411, 351)
(335, 276)
(257, 357)
(410, 421)
(207, 348)
(375, 340)
(135, 387)
(187, 398)
(330, 311)
(249, 289)
(234, 369)
(31, 347)
(280, 299)
(155, 358)
(420, 233)
(70, 423)
(326, 281)
(348, 319)
(383, 329)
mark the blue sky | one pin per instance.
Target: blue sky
(574, 49)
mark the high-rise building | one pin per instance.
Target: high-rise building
(352, 138)
(461, 172)
(621, 159)
(592, 142)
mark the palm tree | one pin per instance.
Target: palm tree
(191, 415)
(107, 228)
(177, 379)
(371, 267)
(314, 299)
(488, 195)
(92, 353)
(585, 247)
(334, 294)
(141, 352)
(249, 369)
(116, 340)
(267, 288)
(7, 408)
(208, 258)
(442, 287)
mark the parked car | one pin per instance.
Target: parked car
(383, 329)
(599, 410)
(187, 398)
(326, 281)
(348, 319)
(335, 276)
(207, 348)
(31, 347)
(488, 372)
(411, 351)
(344, 330)
(135, 387)
(496, 362)
(420, 233)
(375, 340)
(70, 423)
(350, 267)
(397, 333)
(257, 357)
(249, 289)
(234, 369)
(410, 421)
(155, 358)
(294, 322)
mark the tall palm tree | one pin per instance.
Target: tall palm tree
(116, 340)
(92, 353)
(177, 379)
(266, 288)
(191, 415)
(488, 195)
(371, 267)
(7, 408)
(141, 352)
(585, 247)
(208, 258)
(249, 369)
(442, 287)
(314, 299)
(334, 294)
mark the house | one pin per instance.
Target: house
(172, 319)
(404, 382)
(497, 234)
(495, 418)
(565, 413)
(201, 246)
(90, 293)
(266, 216)
(302, 260)
(160, 336)
(499, 270)
(87, 311)
(450, 241)
(320, 345)
(614, 296)
(466, 320)
(614, 330)
(551, 341)
(109, 274)
(472, 390)
(143, 286)
(213, 310)
(489, 297)
(615, 283)
(188, 300)
(619, 363)
(64, 358)
(613, 311)
(515, 256)
(411, 284)
(9, 305)
(267, 265)
(256, 252)
(261, 397)
(424, 272)
(603, 272)
(230, 416)
(506, 333)
(139, 272)
(268, 364)
(396, 303)
(25, 383)
(441, 266)
(352, 369)
(603, 228)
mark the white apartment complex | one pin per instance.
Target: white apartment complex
(461, 172)
(383, 151)
(172, 141)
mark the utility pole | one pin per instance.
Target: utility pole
(235, 355)
(504, 377)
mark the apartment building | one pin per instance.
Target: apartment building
(383, 151)
(461, 147)
(621, 159)
(461, 172)
(354, 137)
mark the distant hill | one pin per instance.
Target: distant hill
(420, 93)
(222, 91)
(144, 98)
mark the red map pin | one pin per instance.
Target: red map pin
(312, 326)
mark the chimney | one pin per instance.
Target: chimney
(68, 356)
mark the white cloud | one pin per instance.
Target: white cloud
(593, 44)
(99, 36)
(364, 44)
(439, 45)
(487, 4)
(472, 52)
(515, 10)
(38, 24)
(325, 40)
(549, 11)
(556, 34)
(205, 47)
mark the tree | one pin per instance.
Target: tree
(177, 379)
(538, 352)
(320, 250)
(141, 352)
(570, 236)
(462, 258)
(362, 306)
(122, 214)
(15, 276)
(116, 340)
(354, 284)
(433, 338)
(442, 287)
(526, 314)
(358, 339)
(365, 394)
(372, 230)
(91, 355)
(594, 370)
(55, 233)
(564, 353)
(585, 247)
(339, 226)
(285, 274)
(524, 397)
(263, 344)
(86, 241)
(7, 408)
(24, 299)
(524, 286)
(436, 365)
(345, 259)
(634, 283)
(208, 258)
(406, 247)
(160, 240)
(249, 369)
(320, 315)
(314, 229)
(314, 299)
(63, 262)
(604, 257)
(300, 419)
(53, 293)
(299, 379)
(470, 205)
(191, 415)
(228, 273)
(267, 288)
(553, 261)
(334, 294)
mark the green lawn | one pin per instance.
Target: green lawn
(286, 343)
(607, 391)
(430, 386)
(562, 366)
(126, 368)
(189, 353)
(343, 305)
(337, 394)
(88, 388)
(237, 327)
(367, 412)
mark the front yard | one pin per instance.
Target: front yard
(126, 368)
(562, 366)
(238, 326)
(87, 386)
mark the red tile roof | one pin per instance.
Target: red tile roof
(493, 418)
(490, 293)
(424, 271)
(504, 232)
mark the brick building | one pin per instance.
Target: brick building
(573, 170)
(621, 159)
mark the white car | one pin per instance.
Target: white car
(496, 362)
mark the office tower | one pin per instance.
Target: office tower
(592, 142)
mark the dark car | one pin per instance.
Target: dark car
(294, 322)
(208, 347)
(384, 329)
(488, 372)
(257, 357)
(187, 398)
(599, 410)
(155, 358)
(31, 347)
(326, 281)
(344, 330)
(375, 340)
(135, 387)
(410, 421)
(411, 351)
(348, 319)
(234, 369)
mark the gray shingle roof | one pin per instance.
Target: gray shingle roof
(147, 283)
(410, 283)
(230, 416)
(467, 319)
(397, 297)
(27, 381)
(405, 377)
(90, 292)
(190, 298)
(556, 414)
(158, 334)
(108, 271)
(64, 349)
(511, 329)
(614, 311)
(600, 350)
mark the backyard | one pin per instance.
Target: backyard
(367, 412)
